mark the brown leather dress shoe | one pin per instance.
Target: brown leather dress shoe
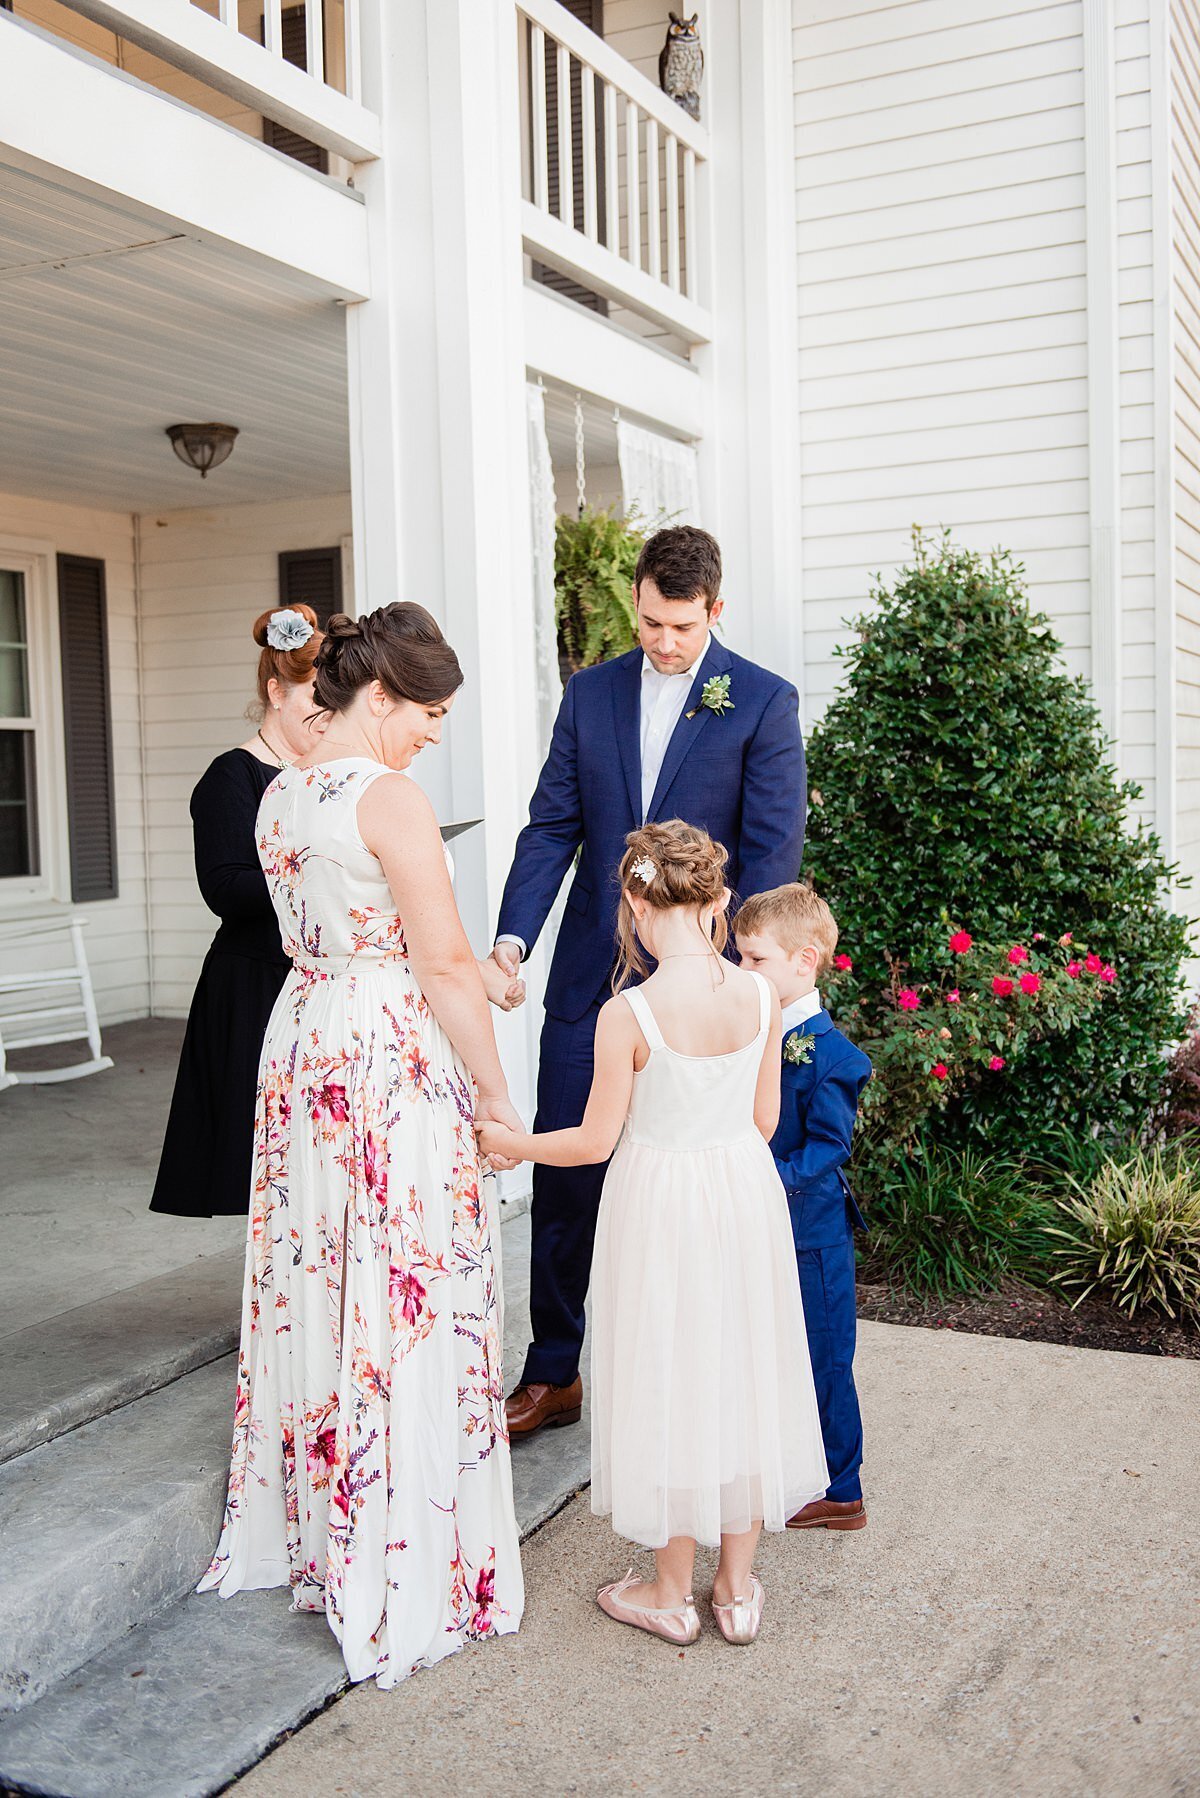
(531, 1408)
(830, 1514)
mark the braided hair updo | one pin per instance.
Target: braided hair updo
(669, 864)
(401, 646)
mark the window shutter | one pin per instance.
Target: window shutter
(294, 39)
(591, 14)
(312, 577)
(87, 715)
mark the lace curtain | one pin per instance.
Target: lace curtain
(658, 477)
(543, 508)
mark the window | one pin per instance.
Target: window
(18, 744)
(312, 577)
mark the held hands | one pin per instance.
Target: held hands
(498, 1118)
(499, 1144)
(503, 986)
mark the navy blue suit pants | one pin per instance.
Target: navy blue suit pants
(565, 1203)
(827, 1288)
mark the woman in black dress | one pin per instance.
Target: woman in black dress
(206, 1159)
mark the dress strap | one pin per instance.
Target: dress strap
(640, 1007)
(764, 1002)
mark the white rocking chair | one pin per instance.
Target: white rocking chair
(22, 946)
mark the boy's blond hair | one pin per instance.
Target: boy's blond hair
(795, 916)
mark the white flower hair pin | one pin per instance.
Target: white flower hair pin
(288, 630)
(644, 870)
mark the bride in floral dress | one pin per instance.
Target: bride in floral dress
(370, 1468)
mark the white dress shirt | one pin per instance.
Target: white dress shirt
(801, 1010)
(663, 698)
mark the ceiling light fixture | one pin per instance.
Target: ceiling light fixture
(202, 446)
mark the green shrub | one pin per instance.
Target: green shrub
(959, 777)
(594, 559)
(1132, 1235)
(945, 1221)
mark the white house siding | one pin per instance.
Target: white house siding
(1135, 274)
(206, 576)
(636, 29)
(117, 932)
(1185, 172)
(942, 299)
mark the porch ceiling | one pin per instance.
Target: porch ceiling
(111, 329)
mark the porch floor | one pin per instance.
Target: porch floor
(79, 1166)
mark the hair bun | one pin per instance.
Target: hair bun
(343, 627)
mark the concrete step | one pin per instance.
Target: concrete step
(118, 1678)
(103, 1527)
(191, 1699)
(87, 1362)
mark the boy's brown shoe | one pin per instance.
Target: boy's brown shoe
(830, 1514)
(530, 1408)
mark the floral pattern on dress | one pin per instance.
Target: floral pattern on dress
(370, 1462)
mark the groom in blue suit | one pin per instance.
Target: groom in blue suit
(678, 728)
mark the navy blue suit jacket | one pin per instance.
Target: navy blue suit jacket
(816, 1123)
(739, 775)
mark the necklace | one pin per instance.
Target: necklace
(688, 955)
(274, 753)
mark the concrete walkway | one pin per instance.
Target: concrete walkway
(1021, 1617)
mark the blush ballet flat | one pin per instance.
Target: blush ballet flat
(739, 1620)
(680, 1625)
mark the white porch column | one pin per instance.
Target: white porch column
(749, 456)
(437, 409)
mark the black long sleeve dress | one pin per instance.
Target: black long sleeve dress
(205, 1168)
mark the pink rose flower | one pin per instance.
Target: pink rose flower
(843, 962)
(1030, 983)
(952, 997)
(1093, 963)
(1018, 953)
(1074, 969)
(1001, 987)
(996, 1063)
(908, 998)
(940, 1070)
(960, 942)
(1108, 972)
(1064, 942)
(1039, 936)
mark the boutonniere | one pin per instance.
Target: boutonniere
(798, 1047)
(714, 696)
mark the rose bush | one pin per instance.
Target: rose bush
(961, 787)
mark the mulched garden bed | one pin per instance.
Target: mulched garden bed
(1031, 1316)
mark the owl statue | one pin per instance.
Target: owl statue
(681, 63)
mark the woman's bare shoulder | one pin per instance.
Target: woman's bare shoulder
(392, 801)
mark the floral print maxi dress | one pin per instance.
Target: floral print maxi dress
(370, 1467)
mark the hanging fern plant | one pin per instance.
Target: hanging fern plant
(594, 559)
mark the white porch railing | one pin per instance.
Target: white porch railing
(615, 174)
(203, 37)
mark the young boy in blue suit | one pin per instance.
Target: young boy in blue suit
(789, 935)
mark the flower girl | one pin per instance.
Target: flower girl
(704, 1418)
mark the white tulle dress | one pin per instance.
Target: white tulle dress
(704, 1416)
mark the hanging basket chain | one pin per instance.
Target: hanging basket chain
(580, 462)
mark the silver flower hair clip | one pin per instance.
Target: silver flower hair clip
(288, 630)
(644, 870)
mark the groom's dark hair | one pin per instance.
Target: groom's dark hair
(684, 562)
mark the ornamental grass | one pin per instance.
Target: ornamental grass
(1131, 1235)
